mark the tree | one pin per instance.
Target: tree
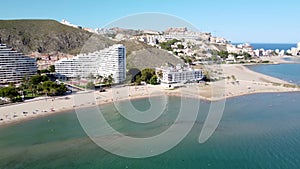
(47, 86)
(52, 88)
(91, 76)
(110, 80)
(247, 56)
(43, 71)
(90, 85)
(147, 74)
(37, 79)
(188, 60)
(180, 46)
(53, 91)
(10, 92)
(153, 80)
(138, 80)
(99, 78)
(223, 54)
(25, 82)
(52, 68)
(167, 45)
(62, 89)
(44, 78)
(207, 76)
(105, 80)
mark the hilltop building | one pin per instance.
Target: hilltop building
(65, 22)
(15, 65)
(109, 61)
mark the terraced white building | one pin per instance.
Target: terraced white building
(15, 65)
(109, 61)
(178, 74)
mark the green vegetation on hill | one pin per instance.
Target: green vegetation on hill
(167, 45)
(43, 36)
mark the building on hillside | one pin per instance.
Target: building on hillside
(14, 66)
(230, 59)
(178, 74)
(65, 22)
(106, 62)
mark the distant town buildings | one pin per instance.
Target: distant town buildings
(181, 34)
(14, 66)
(106, 62)
(230, 59)
(178, 74)
(153, 38)
(240, 48)
(294, 51)
(103, 31)
(247, 48)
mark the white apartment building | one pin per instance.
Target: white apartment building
(178, 74)
(15, 65)
(109, 61)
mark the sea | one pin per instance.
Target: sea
(259, 131)
(287, 72)
(272, 46)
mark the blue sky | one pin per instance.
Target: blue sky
(237, 20)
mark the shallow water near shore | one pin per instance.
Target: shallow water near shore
(287, 72)
(256, 131)
(259, 131)
(293, 59)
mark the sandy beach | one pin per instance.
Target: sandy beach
(278, 59)
(245, 82)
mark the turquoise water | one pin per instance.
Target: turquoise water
(288, 72)
(256, 131)
(260, 131)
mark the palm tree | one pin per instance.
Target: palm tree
(110, 80)
(25, 81)
(91, 76)
(32, 89)
(207, 75)
(105, 80)
(99, 78)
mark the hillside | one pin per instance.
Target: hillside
(50, 36)
(141, 55)
(43, 36)
(151, 58)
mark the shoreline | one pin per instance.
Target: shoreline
(29, 118)
(247, 82)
